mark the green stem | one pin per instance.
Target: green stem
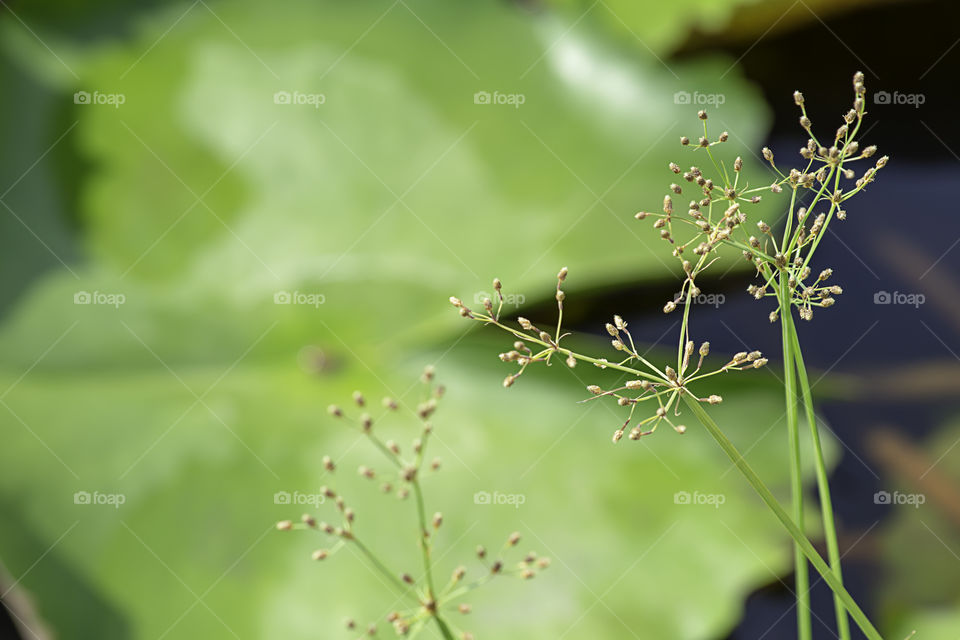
(389, 575)
(804, 624)
(444, 629)
(826, 504)
(422, 517)
(805, 545)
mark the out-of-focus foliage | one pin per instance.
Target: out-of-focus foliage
(926, 503)
(201, 199)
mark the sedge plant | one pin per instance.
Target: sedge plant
(425, 599)
(715, 221)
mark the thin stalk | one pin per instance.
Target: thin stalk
(444, 629)
(802, 577)
(422, 517)
(805, 545)
(826, 504)
(389, 575)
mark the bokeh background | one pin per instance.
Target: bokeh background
(220, 217)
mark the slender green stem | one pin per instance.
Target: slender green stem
(425, 549)
(579, 356)
(444, 629)
(805, 545)
(389, 575)
(804, 623)
(826, 504)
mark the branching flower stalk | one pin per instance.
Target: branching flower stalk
(714, 221)
(426, 603)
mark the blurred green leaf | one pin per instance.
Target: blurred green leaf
(932, 624)
(659, 27)
(923, 531)
(199, 479)
(296, 198)
(197, 397)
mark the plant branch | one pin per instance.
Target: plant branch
(802, 542)
(826, 504)
(802, 578)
